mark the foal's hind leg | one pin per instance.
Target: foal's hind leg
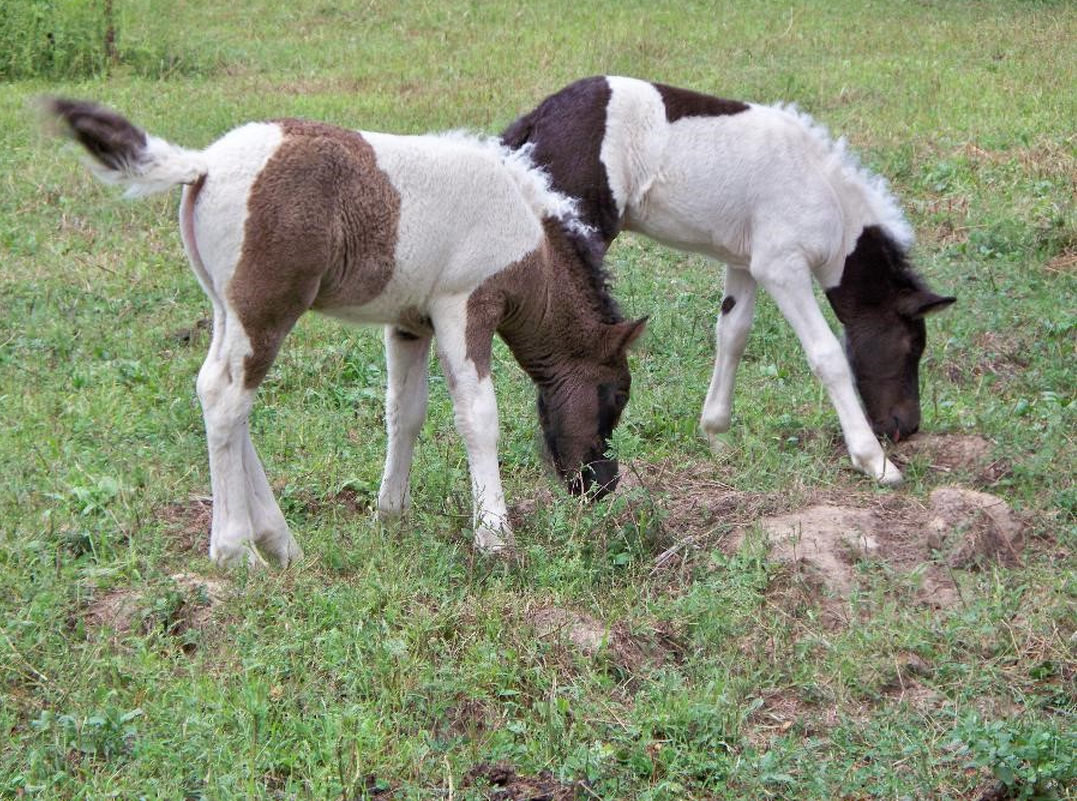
(271, 532)
(406, 358)
(788, 279)
(245, 513)
(731, 335)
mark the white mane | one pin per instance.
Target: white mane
(882, 206)
(534, 182)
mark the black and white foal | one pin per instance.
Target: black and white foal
(765, 190)
(448, 235)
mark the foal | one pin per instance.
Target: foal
(765, 190)
(446, 235)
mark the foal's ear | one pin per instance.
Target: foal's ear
(620, 335)
(922, 302)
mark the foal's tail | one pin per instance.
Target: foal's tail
(122, 153)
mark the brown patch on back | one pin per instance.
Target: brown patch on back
(686, 103)
(321, 233)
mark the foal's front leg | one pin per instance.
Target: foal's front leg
(475, 410)
(788, 280)
(731, 336)
(406, 396)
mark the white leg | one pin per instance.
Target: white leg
(731, 335)
(244, 510)
(225, 406)
(475, 410)
(405, 409)
(270, 529)
(788, 280)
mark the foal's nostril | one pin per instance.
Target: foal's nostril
(600, 489)
(596, 479)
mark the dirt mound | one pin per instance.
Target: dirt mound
(828, 545)
(116, 610)
(186, 604)
(591, 637)
(828, 541)
(501, 782)
(970, 527)
(966, 455)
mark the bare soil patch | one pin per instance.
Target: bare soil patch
(589, 636)
(966, 456)
(970, 528)
(187, 524)
(829, 546)
(188, 604)
(501, 782)
(781, 711)
(827, 541)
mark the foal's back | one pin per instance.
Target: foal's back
(726, 178)
(358, 224)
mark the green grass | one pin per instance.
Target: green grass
(397, 658)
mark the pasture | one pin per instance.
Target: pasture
(758, 622)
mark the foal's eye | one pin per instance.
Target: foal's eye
(620, 400)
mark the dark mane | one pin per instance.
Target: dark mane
(590, 248)
(876, 269)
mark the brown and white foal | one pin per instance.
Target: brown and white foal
(445, 234)
(765, 190)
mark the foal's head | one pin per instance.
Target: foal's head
(585, 390)
(579, 409)
(882, 304)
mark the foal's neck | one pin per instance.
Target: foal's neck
(557, 307)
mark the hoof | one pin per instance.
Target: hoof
(713, 426)
(493, 542)
(389, 515)
(229, 555)
(283, 553)
(720, 443)
(890, 475)
(391, 506)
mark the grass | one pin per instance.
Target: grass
(396, 661)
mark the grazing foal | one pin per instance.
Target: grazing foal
(765, 190)
(446, 235)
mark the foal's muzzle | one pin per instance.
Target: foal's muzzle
(596, 479)
(903, 423)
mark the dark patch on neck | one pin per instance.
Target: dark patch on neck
(873, 275)
(566, 131)
(553, 301)
(728, 304)
(681, 103)
(589, 250)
